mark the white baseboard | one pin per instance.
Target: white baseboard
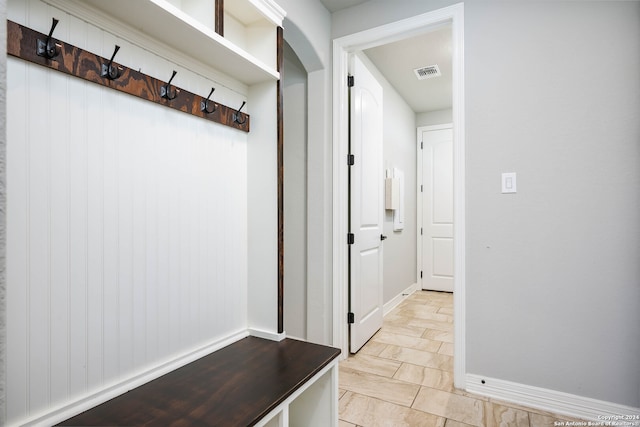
(59, 414)
(293, 337)
(268, 335)
(547, 400)
(399, 298)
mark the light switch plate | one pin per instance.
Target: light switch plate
(508, 182)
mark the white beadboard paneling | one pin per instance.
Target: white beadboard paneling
(111, 243)
(124, 135)
(175, 286)
(60, 244)
(165, 179)
(38, 239)
(139, 238)
(152, 250)
(78, 179)
(17, 242)
(240, 234)
(127, 227)
(94, 288)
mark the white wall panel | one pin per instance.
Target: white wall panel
(61, 237)
(17, 245)
(127, 225)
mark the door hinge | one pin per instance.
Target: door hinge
(351, 318)
(422, 145)
(351, 159)
(351, 238)
(421, 274)
(421, 188)
(350, 81)
(421, 231)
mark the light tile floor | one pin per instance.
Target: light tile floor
(404, 376)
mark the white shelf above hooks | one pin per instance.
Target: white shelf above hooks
(174, 27)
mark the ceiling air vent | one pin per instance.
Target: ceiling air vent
(427, 72)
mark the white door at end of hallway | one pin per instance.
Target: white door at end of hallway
(435, 180)
(366, 205)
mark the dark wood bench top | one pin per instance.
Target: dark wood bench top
(234, 386)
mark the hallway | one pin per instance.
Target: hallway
(404, 376)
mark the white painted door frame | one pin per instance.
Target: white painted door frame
(342, 47)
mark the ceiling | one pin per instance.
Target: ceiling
(335, 5)
(396, 61)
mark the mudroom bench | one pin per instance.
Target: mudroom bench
(252, 382)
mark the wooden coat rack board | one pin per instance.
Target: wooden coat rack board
(42, 49)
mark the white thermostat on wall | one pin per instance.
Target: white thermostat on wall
(508, 182)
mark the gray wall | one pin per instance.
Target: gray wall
(399, 150)
(294, 80)
(307, 29)
(431, 118)
(553, 278)
(3, 205)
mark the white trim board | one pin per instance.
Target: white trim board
(547, 400)
(267, 335)
(342, 47)
(395, 301)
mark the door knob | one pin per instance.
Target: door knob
(383, 237)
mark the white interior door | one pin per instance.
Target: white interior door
(366, 206)
(436, 182)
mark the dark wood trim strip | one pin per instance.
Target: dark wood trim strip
(280, 66)
(22, 43)
(220, 17)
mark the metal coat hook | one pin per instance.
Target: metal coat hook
(165, 91)
(48, 48)
(204, 105)
(236, 115)
(109, 70)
